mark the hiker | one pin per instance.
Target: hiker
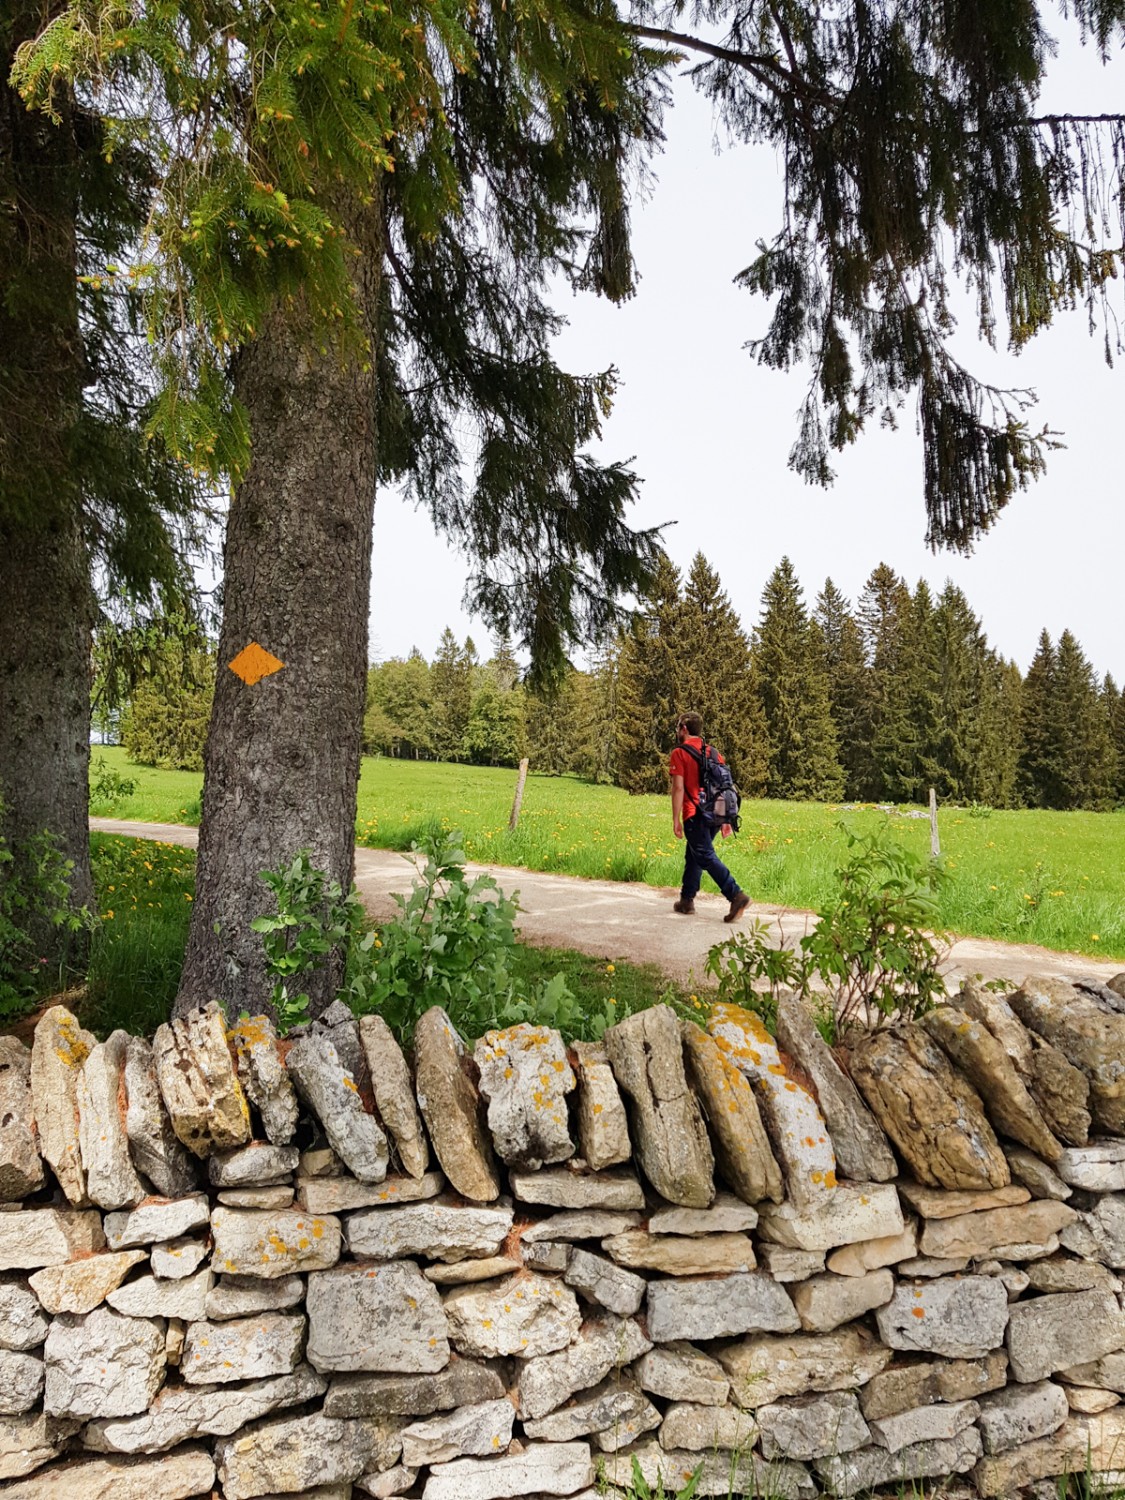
(689, 822)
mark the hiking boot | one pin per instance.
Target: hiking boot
(737, 907)
(685, 908)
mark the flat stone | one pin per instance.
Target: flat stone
(181, 1412)
(682, 1255)
(154, 1297)
(603, 1127)
(1088, 1401)
(1003, 1232)
(581, 1224)
(812, 1426)
(1100, 1232)
(339, 1026)
(1074, 1449)
(332, 1094)
(273, 1244)
(681, 1372)
(939, 1203)
(58, 1050)
(462, 1272)
(1107, 1373)
(176, 1476)
(939, 1423)
(263, 1076)
(1020, 1414)
(856, 1473)
(600, 1281)
(862, 1149)
(198, 1082)
(156, 1219)
(563, 1188)
(905, 1386)
(81, 1285)
(21, 1167)
(856, 1211)
(542, 1468)
(290, 1454)
(393, 1481)
(175, 1259)
(1041, 1180)
(922, 1266)
(451, 1108)
(463, 1382)
(37, 1237)
(993, 1011)
(613, 1406)
(153, 1144)
(1097, 1168)
(22, 1323)
(826, 1302)
(29, 1441)
(1067, 1328)
(762, 1370)
(475, 1431)
(241, 1296)
(444, 1229)
(1058, 1273)
(793, 1120)
(707, 1429)
(933, 1116)
(980, 1058)
(376, 1317)
(742, 1147)
(1062, 1093)
(1089, 1037)
(242, 1348)
(727, 1215)
(713, 1474)
(604, 1343)
(528, 1315)
(102, 1365)
(255, 1165)
(337, 1195)
(175, 1333)
(628, 1429)
(869, 1255)
(670, 1138)
(394, 1095)
(786, 1264)
(714, 1307)
(21, 1381)
(525, 1077)
(320, 1161)
(111, 1180)
(960, 1317)
(543, 1255)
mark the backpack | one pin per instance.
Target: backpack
(718, 795)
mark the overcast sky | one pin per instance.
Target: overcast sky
(710, 432)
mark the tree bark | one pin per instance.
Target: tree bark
(281, 764)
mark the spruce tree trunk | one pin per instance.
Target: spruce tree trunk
(281, 764)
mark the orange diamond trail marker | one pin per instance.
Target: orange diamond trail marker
(253, 663)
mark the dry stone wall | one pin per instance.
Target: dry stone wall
(247, 1267)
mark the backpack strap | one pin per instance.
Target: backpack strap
(701, 758)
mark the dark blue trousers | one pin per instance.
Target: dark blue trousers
(700, 859)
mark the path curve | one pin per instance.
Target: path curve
(624, 919)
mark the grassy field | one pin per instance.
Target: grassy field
(1039, 877)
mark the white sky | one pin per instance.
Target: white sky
(710, 432)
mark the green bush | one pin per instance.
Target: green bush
(167, 725)
(34, 893)
(108, 787)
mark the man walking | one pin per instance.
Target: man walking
(689, 823)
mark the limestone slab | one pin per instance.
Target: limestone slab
(524, 1077)
(241, 1296)
(445, 1229)
(670, 1138)
(787, 1264)
(154, 1146)
(604, 1343)
(111, 1179)
(22, 1322)
(869, 1255)
(393, 1087)
(681, 1372)
(910, 1384)
(856, 1473)
(21, 1381)
(580, 1224)
(682, 1255)
(562, 1188)
(1081, 1443)
(337, 1195)
(242, 1348)
(939, 1423)
(1001, 1232)
(812, 1426)
(156, 1219)
(384, 1317)
(602, 1124)
(1059, 1330)
(198, 1082)
(601, 1281)
(393, 1481)
(252, 1165)
(21, 1167)
(1061, 1091)
(707, 1429)
(175, 1476)
(463, 1382)
(959, 1317)
(1041, 1180)
(543, 1255)
(712, 1307)
(248, 1243)
(59, 1048)
(1097, 1168)
(80, 1285)
(100, 1364)
(263, 1076)
(714, 1474)
(175, 1259)
(826, 1302)
(35, 1237)
(728, 1214)
(526, 1315)
(290, 1454)
(764, 1370)
(627, 1429)
(856, 1211)
(463, 1271)
(1057, 1273)
(1020, 1414)
(451, 1107)
(613, 1406)
(943, 1203)
(29, 1441)
(541, 1469)
(1107, 1373)
(1090, 1401)
(332, 1094)
(477, 1431)
(156, 1297)
(1090, 1038)
(742, 1147)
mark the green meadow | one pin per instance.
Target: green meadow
(1053, 878)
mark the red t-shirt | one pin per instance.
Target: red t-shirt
(680, 763)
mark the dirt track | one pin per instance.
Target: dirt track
(613, 919)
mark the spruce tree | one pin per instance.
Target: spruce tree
(846, 669)
(1114, 702)
(1087, 760)
(967, 741)
(647, 687)
(555, 727)
(1041, 732)
(881, 611)
(906, 743)
(789, 660)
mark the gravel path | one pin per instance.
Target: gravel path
(617, 919)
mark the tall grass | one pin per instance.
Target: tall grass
(1056, 879)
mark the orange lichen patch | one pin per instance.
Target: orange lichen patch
(253, 663)
(830, 1178)
(918, 1312)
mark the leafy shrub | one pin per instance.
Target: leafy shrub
(34, 893)
(108, 788)
(739, 964)
(313, 921)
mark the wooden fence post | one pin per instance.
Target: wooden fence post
(518, 798)
(935, 842)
